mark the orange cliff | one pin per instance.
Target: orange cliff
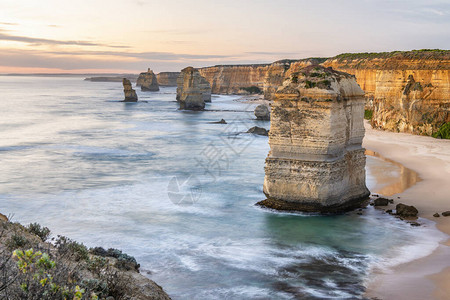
(407, 91)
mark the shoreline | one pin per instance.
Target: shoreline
(427, 277)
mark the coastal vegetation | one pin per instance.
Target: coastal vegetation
(413, 54)
(443, 132)
(368, 114)
(32, 267)
(253, 90)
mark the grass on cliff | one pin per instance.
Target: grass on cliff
(413, 54)
(368, 114)
(443, 132)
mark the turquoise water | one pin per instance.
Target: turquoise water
(178, 193)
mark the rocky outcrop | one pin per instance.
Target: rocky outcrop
(316, 162)
(130, 94)
(167, 78)
(258, 131)
(192, 90)
(147, 81)
(262, 112)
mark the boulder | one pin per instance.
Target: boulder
(381, 202)
(404, 210)
(148, 81)
(446, 213)
(258, 130)
(262, 112)
(436, 215)
(130, 94)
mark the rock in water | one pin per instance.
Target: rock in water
(258, 130)
(147, 81)
(446, 213)
(381, 202)
(316, 161)
(192, 90)
(130, 94)
(262, 112)
(436, 215)
(404, 210)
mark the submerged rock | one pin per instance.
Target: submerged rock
(446, 213)
(222, 121)
(192, 90)
(436, 215)
(404, 210)
(258, 130)
(262, 112)
(147, 81)
(316, 161)
(130, 94)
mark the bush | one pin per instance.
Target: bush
(42, 232)
(443, 132)
(253, 90)
(368, 114)
(69, 247)
(17, 241)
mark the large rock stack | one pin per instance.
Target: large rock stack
(192, 90)
(316, 161)
(130, 94)
(147, 81)
(167, 78)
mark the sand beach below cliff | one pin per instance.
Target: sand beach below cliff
(426, 278)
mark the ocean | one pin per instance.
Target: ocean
(178, 192)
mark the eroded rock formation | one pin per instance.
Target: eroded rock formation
(192, 90)
(147, 81)
(383, 77)
(167, 78)
(316, 162)
(130, 94)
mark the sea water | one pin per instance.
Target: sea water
(178, 192)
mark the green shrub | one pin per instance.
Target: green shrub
(67, 246)
(253, 90)
(368, 114)
(17, 241)
(294, 78)
(42, 232)
(443, 132)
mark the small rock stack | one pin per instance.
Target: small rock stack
(130, 94)
(147, 81)
(192, 90)
(262, 112)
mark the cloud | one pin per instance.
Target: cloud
(41, 41)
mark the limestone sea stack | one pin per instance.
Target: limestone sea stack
(316, 161)
(130, 94)
(167, 78)
(192, 90)
(147, 81)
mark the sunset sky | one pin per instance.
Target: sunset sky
(130, 36)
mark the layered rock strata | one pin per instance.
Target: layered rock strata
(192, 90)
(147, 81)
(316, 161)
(167, 78)
(130, 94)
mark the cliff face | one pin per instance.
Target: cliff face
(129, 92)
(233, 79)
(167, 78)
(316, 162)
(406, 93)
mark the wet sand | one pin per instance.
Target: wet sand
(426, 278)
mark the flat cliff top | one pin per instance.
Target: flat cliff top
(425, 59)
(318, 82)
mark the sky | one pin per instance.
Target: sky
(120, 36)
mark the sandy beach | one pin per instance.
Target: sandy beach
(429, 277)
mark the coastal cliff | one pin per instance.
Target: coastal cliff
(167, 78)
(407, 91)
(316, 161)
